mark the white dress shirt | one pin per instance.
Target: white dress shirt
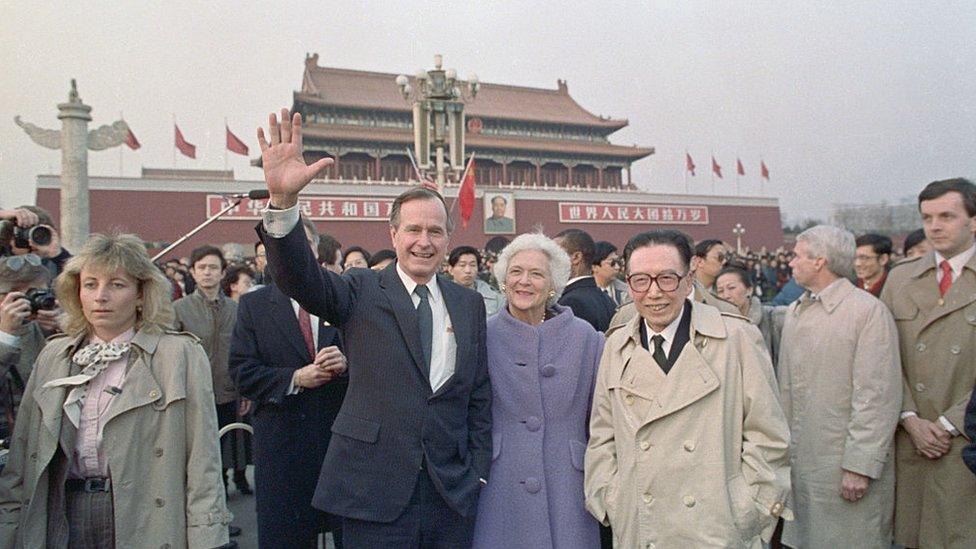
(957, 263)
(443, 348)
(668, 334)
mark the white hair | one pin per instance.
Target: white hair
(559, 264)
(834, 244)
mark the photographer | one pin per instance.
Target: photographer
(28, 313)
(29, 229)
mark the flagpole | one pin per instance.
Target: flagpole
(712, 171)
(226, 127)
(122, 118)
(737, 162)
(686, 171)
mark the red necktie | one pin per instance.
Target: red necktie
(305, 323)
(946, 281)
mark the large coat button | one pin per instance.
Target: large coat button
(533, 423)
(548, 370)
(532, 485)
(688, 501)
(920, 387)
(689, 445)
(629, 399)
(920, 347)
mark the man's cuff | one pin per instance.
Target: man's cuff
(9, 340)
(278, 223)
(906, 415)
(949, 426)
(292, 388)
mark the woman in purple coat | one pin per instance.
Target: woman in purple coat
(542, 362)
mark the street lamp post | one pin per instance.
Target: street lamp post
(738, 231)
(438, 117)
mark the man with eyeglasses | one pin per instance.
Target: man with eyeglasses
(688, 443)
(871, 259)
(23, 329)
(606, 268)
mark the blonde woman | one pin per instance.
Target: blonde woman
(116, 441)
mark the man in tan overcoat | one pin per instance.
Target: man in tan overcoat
(840, 387)
(688, 443)
(933, 300)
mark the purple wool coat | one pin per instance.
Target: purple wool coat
(542, 380)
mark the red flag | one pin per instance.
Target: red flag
(738, 167)
(764, 171)
(184, 147)
(466, 194)
(689, 164)
(131, 141)
(234, 144)
(716, 168)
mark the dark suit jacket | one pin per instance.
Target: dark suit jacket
(391, 422)
(969, 451)
(291, 432)
(589, 303)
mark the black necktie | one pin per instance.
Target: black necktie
(659, 356)
(425, 319)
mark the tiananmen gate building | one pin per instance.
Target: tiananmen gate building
(545, 161)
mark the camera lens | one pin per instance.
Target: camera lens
(40, 235)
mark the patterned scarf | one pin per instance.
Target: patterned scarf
(93, 359)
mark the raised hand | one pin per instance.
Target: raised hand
(285, 171)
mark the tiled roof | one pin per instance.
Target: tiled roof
(377, 90)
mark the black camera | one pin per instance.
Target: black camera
(41, 298)
(39, 235)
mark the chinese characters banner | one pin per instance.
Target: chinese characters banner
(317, 208)
(600, 212)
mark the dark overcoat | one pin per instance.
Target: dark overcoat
(291, 431)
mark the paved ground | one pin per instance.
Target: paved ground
(245, 519)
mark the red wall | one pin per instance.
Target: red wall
(166, 216)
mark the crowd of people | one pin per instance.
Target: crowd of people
(548, 391)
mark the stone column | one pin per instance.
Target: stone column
(75, 212)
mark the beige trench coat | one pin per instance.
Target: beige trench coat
(840, 386)
(694, 458)
(934, 499)
(160, 440)
(700, 295)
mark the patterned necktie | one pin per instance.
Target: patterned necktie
(425, 320)
(93, 359)
(659, 356)
(946, 281)
(305, 323)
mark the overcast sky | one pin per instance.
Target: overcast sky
(845, 103)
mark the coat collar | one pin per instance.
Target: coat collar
(286, 322)
(835, 293)
(691, 377)
(140, 385)
(923, 289)
(705, 321)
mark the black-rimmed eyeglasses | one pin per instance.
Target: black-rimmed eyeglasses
(667, 282)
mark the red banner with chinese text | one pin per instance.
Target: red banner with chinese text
(316, 208)
(607, 212)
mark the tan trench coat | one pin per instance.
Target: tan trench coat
(934, 500)
(160, 440)
(840, 386)
(701, 295)
(695, 458)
